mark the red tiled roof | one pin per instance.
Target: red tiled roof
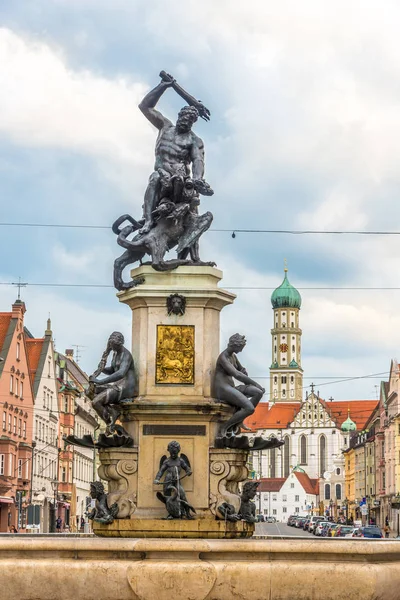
(277, 417)
(34, 350)
(360, 411)
(310, 486)
(5, 319)
(271, 484)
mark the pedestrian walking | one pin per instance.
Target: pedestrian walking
(59, 524)
(387, 531)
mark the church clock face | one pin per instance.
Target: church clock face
(283, 347)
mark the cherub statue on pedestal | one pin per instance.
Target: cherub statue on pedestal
(174, 496)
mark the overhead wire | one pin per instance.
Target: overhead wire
(219, 230)
(228, 287)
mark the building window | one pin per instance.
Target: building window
(283, 379)
(4, 421)
(11, 384)
(9, 423)
(327, 491)
(16, 386)
(292, 485)
(21, 389)
(297, 498)
(63, 474)
(286, 457)
(275, 380)
(291, 379)
(15, 426)
(20, 427)
(20, 468)
(338, 471)
(18, 350)
(2, 457)
(284, 498)
(274, 497)
(338, 490)
(322, 455)
(303, 450)
(284, 509)
(297, 509)
(24, 429)
(66, 405)
(274, 511)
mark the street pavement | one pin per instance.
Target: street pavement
(282, 529)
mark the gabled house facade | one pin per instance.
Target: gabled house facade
(16, 410)
(280, 497)
(42, 371)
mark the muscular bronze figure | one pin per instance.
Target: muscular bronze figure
(177, 148)
(243, 397)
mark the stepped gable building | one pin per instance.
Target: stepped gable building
(311, 427)
(42, 373)
(16, 408)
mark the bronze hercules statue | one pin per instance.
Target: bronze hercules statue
(170, 210)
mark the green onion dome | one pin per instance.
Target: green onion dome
(348, 424)
(286, 296)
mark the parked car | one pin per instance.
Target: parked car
(290, 520)
(343, 530)
(371, 531)
(313, 522)
(300, 522)
(306, 523)
(332, 530)
(270, 519)
(260, 518)
(319, 527)
(325, 529)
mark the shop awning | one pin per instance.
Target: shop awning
(6, 500)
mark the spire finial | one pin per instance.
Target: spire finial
(312, 386)
(285, 265)
(48, 329)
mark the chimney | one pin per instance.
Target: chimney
(18, 309)
(69, 353)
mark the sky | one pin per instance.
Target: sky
(304, 135)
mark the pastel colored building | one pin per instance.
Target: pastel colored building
(45, 456)
(17, 405)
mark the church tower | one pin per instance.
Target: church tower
(286, 374)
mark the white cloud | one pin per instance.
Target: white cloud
(45, 103)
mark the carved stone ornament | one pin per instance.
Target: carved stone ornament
(175, 354)
(227, 470)
(119, 468)
(176, 304)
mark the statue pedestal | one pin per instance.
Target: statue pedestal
(175, 356)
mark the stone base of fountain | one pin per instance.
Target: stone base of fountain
(65, 568)
(176, 528)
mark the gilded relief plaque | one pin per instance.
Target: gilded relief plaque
(175, 354)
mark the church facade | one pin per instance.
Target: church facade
(315, 431)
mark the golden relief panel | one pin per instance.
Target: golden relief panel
(175, 354)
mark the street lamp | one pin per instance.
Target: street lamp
(54, 485)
